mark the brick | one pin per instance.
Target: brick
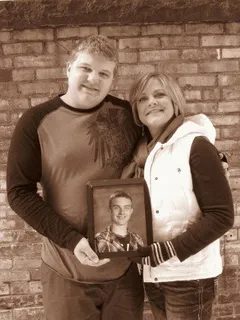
(218, 66)
(233, 27)
(38, 88)
(199, 54)
(235, 181)
(231, 53)
(127, 57)
(121, 31)
(19, 103)
(35, 274)
(5, 36)
(20, 249)
(231, 260)
(50, 47)
(23, 48)
(232, 132)
(139, 43)
(36, 313)
(161, 29)
(231, 235)
(5, 75)
(156, 55)
(232, 93)
(178, 68)
(35, 286)
(6, 315)
(5, 263)
(227, 144)
(225, 120)
(38, 299)
(211, 94)
(16, 301)
(33, 35)
(25, 263)
(76, 32)
(6, 63)
(229, 80)
(220, 40)
(225, 309)
(228, 298)
(33, 61)
(19, 287)
(123, 84)
(197, 81)
(53, 73)
(6, 224)
(179, 41)
(8, 89)
(63, 59)
(129, 70)
(192, 94)
(14, 275)
(65, 45)
(3, 117)
(23, 75)
(199, 107)
(4, 290)
(39, 100)
(4, 104)
(232, 247)
(204, 28)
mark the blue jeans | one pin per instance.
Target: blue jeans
(182, 300)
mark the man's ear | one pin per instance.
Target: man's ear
(69, 65)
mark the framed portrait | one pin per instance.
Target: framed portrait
(120, 220)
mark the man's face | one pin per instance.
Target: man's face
(121, 211)
(89, 80)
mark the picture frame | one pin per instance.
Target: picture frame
(107, 223)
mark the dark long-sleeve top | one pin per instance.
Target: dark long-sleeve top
(63, 148)
(214, 199)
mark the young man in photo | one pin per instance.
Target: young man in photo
(117, 236)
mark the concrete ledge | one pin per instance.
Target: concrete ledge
(19, 14)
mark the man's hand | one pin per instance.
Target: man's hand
(225, 165)
(84, 253)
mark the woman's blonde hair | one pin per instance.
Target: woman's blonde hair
(170, 86)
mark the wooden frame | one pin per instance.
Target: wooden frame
(101, 237)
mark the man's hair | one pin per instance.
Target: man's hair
(170, 87)
(119, 194)
(97, 45)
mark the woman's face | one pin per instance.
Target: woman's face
(155, 108)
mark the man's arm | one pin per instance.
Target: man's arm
(23, 174)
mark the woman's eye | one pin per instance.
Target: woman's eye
(141, 99)
(159, 95)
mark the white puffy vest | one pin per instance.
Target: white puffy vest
(174, 207)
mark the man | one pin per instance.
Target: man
(85, 134)
(117, 236)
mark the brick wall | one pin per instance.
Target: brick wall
(204, 58)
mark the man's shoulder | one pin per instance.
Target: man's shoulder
(118, 101)
(33, 116)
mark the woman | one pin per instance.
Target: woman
(191, 200)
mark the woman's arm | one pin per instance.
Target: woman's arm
(215, 201)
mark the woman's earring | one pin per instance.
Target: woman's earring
(143, 131)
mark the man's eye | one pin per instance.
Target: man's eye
(85, 69)
(104, 75)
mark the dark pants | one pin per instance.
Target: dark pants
(119, 299)
(182, 300)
